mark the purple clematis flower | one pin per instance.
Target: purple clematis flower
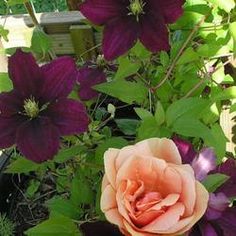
(126, 21)
(88, 76)
(37, 111)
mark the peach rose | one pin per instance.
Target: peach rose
(147, 191)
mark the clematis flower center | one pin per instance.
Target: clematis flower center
(136, 8)
(31, 107)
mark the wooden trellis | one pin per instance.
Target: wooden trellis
(69, 34)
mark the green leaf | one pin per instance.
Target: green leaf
(148, 129)
(233, 108)
(68, 153)
(64, 207)
(218, 142)
(187, 106)
(140, 51)
(188, 56)
(126, 91)
(226, 94)
(4, 33)
(159, 114)
(214, 181)
(126, 68)
(40, 42)
(115, 142)
(143, 113)
(57, 225)
(22, 165)
(81, 192)
(32, 188)
(191, 127)
(164, 58)
(128, 126)
(232, 29)
(15, 2)
(5, 82)
(226, 5)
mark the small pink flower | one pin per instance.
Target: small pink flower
(147, 190)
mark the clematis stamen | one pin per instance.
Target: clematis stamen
(31, 107)
(136, 8)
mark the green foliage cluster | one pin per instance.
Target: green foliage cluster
(6, 226)
(39, 5)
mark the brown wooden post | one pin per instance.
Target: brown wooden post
(82, 37)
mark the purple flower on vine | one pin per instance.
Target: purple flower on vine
(126, 21)
(89, 76)
(37, 111)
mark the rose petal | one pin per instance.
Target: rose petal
(108, 199)
(119, 36)
(142, 168)
(114, 217)
(202, 197)
(154, 34)
(166, 220)
(38, 139)
(204, 163)
(109, 163)
(100, 12)
(105, 182)
(59, 78)
(188, 193)
(167, 185)
(25, 73)
(69, 116)
(161, 148)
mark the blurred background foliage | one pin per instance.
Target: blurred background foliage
(39, 5)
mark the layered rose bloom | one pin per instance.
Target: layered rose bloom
(146, 190)
(126, 21)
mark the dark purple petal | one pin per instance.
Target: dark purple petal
(8, 130)
(10, 103)
(170, 9)
(217, 204)
(119, 36)
(25, 73)
(88, 77)
(69, 116)
(59, 78)
(186, 150)
(204, 163)
(38, 139)
(100, 12)
(207, 229)
(228, 168)
(154, 33)
(228, 221)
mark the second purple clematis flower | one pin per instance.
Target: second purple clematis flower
(126, 21)
(37, 111)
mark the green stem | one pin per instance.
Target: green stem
(190, 37)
